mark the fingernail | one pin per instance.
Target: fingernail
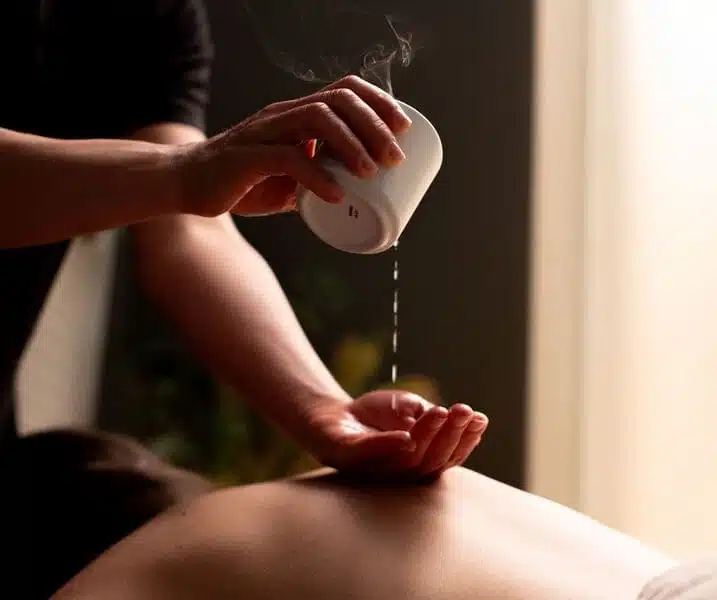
(461, 420)
(476, 426)
(481, 417)
(395, 153)
(404, 118)
(438, 420)
(463, 409)
(479, 424)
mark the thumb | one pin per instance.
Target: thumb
(388, 410)
(278, 194)
(407, 408)
(255, 164)
(373, 446)
(411, 405)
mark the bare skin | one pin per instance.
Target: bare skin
(174, 188)
(325, 537)
(54, 189)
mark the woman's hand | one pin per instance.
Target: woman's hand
(254, 167)
(397, 434)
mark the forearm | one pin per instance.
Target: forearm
(56, 189)
(229, 306)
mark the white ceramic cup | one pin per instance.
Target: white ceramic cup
(375, 211)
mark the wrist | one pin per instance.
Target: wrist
(166, 179)
(309, 429)
(142, 174)
(193, 185)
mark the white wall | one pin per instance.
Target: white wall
(557, 260)
(646, 395)
(60, 371)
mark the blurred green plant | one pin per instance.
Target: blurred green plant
(193, 421)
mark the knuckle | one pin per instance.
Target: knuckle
(352, 80)
(319, 110)
(269, 109)
(343, 95)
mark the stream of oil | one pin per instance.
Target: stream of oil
(394, 340)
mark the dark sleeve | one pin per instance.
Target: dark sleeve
(165, 75)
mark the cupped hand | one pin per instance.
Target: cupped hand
(255, 167)
(397, 434)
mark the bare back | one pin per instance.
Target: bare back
(326, 538)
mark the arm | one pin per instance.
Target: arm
(226, 301)
(217, 290)
(52, 189)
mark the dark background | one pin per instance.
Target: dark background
(463, 258)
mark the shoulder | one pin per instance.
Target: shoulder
(189, 15)
(142, 61)
(128, 20)
(122, 25)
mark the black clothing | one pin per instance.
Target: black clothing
(78, 69)
(88, 69)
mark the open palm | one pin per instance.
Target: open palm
(397, 433)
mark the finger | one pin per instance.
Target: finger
(272, 196)
(409, 407)
(262, 162)
(444, 444)
(370, 113)
(471, 438)
(379, 100)
(423, 433)
(394, 409)
(310, 121)
(368, 126)
(387, 412)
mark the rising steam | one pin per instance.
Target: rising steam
(378, 61)
(320, 41)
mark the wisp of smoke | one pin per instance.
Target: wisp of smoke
(319, 41)
(377, 62)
